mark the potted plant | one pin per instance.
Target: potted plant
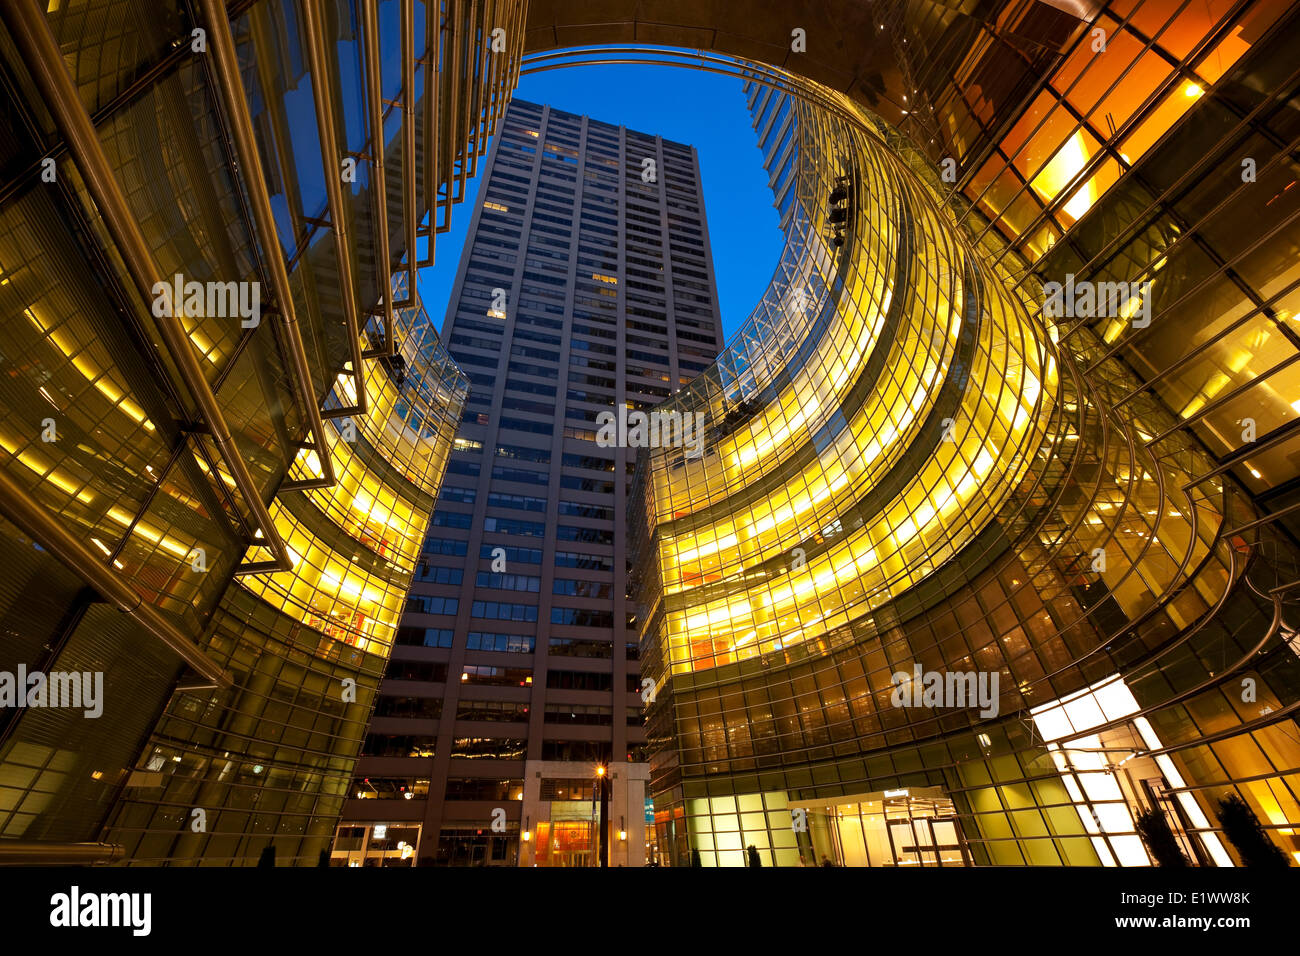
(1245, 834)
(1159, 839)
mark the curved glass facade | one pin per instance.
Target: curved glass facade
(922, 490)
(252, 487)
(312, 641)
(956, 578)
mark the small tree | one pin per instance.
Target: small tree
(268, 856)
(752, 852)
(695, 859)
(1160, 840)
(1244, 832)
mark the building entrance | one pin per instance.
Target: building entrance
(910, 827)
(565, 843)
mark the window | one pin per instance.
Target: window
(431, 604)
(589, 589)
(579, 680)
(496, 748)
(504, 643)
(425, 637)
(507, 582)
(581, 617)
(498, 611)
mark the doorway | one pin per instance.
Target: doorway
(892, 828)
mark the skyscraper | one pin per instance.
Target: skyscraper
(585, 290)
(987, 553)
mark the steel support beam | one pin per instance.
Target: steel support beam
(41, 853)
(235, 101)
(40, 53)
(375, 100)
(42, 526)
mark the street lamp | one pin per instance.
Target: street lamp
(601, 796)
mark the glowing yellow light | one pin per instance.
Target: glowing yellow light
(107, 553)
(1061, 170)
(149, 533)
(90, 373)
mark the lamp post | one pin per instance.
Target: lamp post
(602, 797)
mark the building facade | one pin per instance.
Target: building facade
(958, 579)
(585, 293)
(914, 466)
(228, 413)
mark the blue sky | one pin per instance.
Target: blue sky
(705, 110)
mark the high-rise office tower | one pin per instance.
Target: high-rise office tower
(585, 290)
(913, 468)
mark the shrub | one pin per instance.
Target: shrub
(1248, 837)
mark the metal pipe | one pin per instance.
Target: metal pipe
(42, 526)
(504, 66)
(1199, 415)
(453, 66)
(408, 150)
(241, 126)
(41, 853)
(323, 101)
(265, 59)
(40, 53)
(1260, 522)
(375, 100)
(465, 130)
(480, 45)
(463, 116)
(432, 68)
(1239, 457)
